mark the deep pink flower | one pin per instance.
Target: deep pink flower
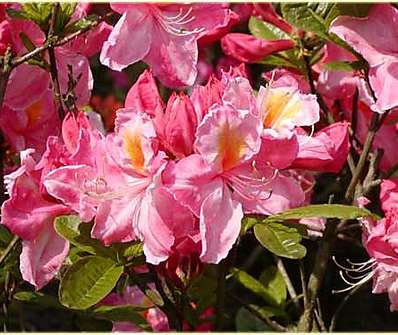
(165, 37)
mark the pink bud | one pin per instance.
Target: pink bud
(180, 125)
(249, 49)
(267, 12)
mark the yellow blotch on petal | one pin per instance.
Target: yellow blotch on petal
(280, 105)
(230, 147)
(34, 112)
(133, 146)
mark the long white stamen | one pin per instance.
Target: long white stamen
(173, 24)
(359, 272)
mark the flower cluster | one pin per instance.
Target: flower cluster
(197, 144)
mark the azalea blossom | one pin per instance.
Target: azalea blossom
(165, 38)
(364, 35)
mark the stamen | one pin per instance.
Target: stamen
(361, 268)
(172, 24)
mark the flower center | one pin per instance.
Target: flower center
(133, 146)
(279, 105)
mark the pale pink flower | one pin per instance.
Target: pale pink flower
(375, 38)
(165, 37)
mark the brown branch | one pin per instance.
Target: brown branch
(58, 42)
(53, 63)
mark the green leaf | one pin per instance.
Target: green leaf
(132, 249)
(302, 16)
(265, 30)
(64, 14)
(82, 23)
(278, 61)
(70, 228)
(38, 12)
(248, 222)
(273, 282)
(88, 281)
(255, 286)
(342, 212)
(280, 239)
(245, 321)
(344, 66)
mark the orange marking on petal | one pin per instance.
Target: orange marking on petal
(34, 112)
(132, 145)
(279, 106)
(230, 147)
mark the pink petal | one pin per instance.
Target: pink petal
(80, 67)
(389, 194)
(114, 220)
(220, 222)
(27, 84)
(190, 180)
(173, 59)
(134, 25)
(42, 258)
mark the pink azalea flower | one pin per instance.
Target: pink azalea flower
(380, 241)
(249, 49)
(282, 108)
(29, 213)
(374, 37)
(221, 179)
(165, 36)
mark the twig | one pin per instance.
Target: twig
(53, 63)
(288, 282)
(172, 312)
(303, 284)
(317, 275)
(57, 43)
(319, 316)
(374, 126)
(319, 97)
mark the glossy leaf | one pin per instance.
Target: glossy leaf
(280, 239)
(343, 212)
(274, 283)
(88, 281)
